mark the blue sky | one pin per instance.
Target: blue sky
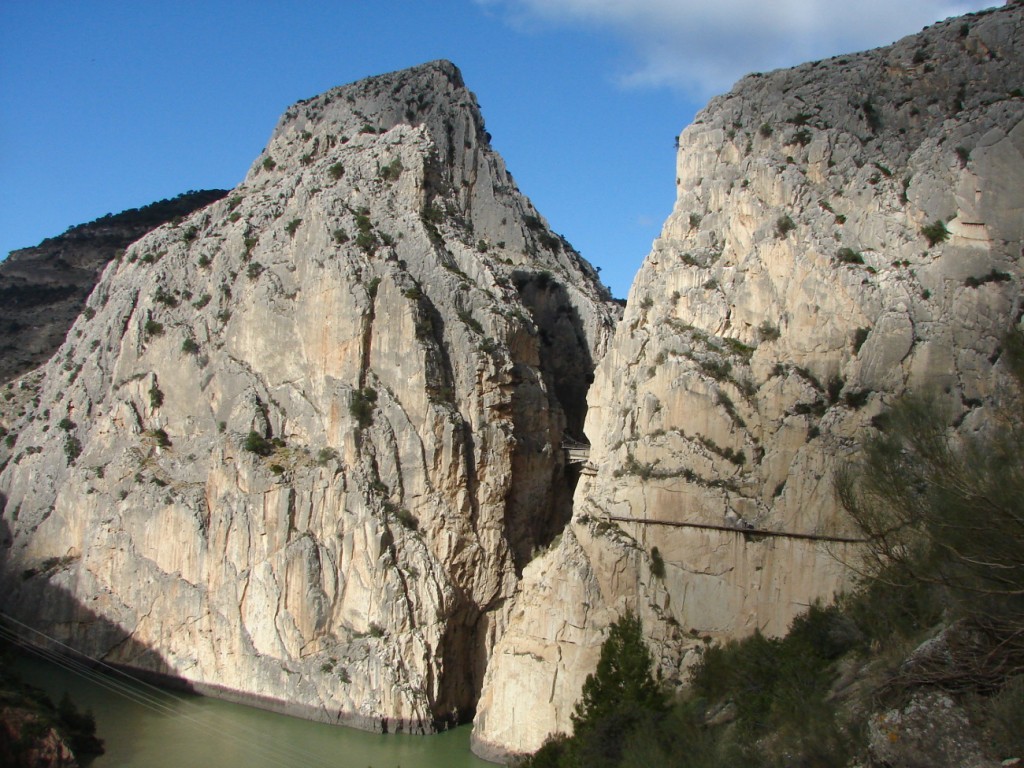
(110, 104)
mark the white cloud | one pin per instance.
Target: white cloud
(704, 46)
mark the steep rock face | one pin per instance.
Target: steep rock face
(305, 439)
(799, 285)
(43, 289)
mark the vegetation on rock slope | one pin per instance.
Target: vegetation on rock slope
(939, 612)
(43, 289)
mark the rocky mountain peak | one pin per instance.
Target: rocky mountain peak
(319, 421)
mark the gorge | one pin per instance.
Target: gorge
(303, 448)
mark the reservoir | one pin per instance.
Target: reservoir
(144, 726)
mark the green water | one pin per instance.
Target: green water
(154, 728)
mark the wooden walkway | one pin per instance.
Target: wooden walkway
(735, 529)
(579, 454)
(576, 452)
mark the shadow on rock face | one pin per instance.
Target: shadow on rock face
(46, 615)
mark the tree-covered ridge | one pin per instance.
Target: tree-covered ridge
(154, 214)
(43, 289)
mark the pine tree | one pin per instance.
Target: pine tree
(618, 695)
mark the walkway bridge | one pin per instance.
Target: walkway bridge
(748, 531)
(579, 454)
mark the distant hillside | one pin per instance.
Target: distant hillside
(43, 289)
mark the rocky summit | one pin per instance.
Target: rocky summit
(844, 232)
(300, 444)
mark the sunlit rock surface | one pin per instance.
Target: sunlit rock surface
(800, 284)
(300, 444)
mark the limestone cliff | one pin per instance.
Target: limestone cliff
(43, 289)
(844, 231)
(300, 444)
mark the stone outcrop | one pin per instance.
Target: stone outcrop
(27, 740)
(299, 445)
(43, 289)
(844, 232)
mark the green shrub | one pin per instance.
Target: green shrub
(362, 406)
(367, 242)
(783, 226)
(72, 448)
(768, 332)
(78, 728)
(874, 120)
(153, 328)
(856, 398)
(657, 564)
(156, 397)
(617, 696)
(336, 171)
(916, 495)
(258, 444)
(326, 455)
(801, 137)
(993, 276)
(392, 170)
(834, 388)
(189, 346)
(935, 232)
(161, 437)
(859, 337)
(474, 324)
(849, 256)
(407, 519)
(1002, 716)
(292, 227)
(269, 164)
